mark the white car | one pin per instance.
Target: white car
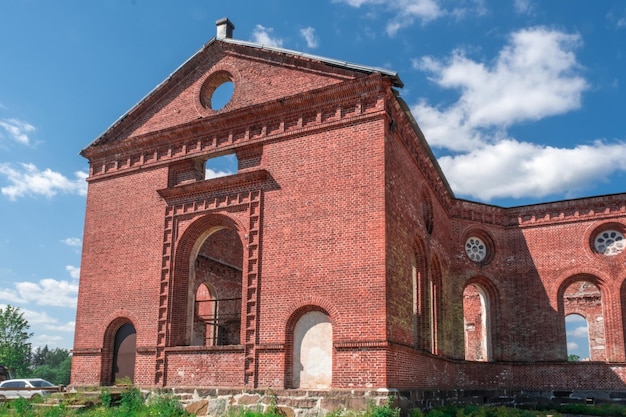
(26, 388)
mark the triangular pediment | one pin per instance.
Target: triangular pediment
(258, 75)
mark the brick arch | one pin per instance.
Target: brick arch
(585, 304)
(489, 324)
(115, 321)
(555, 289)
(234, 76)
(185, 253)
(300, 306)
(290, 326)
(578, 277)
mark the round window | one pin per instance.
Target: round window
(217, 90)
(609, 242)
(476, 249)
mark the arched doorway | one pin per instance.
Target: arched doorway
(581, 297)
(477, 322)
(216, 290)
(124, 352)
(312, 351)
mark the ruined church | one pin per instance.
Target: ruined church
(337, 256)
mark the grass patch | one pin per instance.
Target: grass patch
(131, 403)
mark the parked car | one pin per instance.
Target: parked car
(27, 388)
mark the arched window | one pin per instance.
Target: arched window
(205, 327)
(477, 313)
(216, 289)
(581, 296)
(577, 333)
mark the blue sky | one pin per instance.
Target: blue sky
(522, 100)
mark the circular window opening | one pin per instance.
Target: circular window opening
(609, 242)
(217, 91)
(476, 249)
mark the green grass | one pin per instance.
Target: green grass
(132, 403)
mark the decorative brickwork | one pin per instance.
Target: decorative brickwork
(338, 232)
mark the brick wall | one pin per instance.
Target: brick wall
(339, 207)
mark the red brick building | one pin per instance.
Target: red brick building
(337, 256)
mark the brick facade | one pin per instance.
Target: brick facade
(338, 207)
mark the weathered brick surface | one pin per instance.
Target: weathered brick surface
(338, 207)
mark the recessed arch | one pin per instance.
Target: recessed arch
(309, 349)
(582, 295)
(479, 319)
(194, 264)
(119, 351)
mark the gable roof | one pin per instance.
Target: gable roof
(187, 66)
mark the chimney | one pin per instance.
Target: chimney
(224, 28)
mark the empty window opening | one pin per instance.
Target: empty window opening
(218, 289)
(423, 313)
(476, 317)
(584, 321)
(221, 166)
(217, 90)
(577, 331)
(222, 95)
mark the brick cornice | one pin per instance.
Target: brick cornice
(327, 107)
(559, 212)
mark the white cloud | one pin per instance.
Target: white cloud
(533, 77)
(74, 242)
(47, 292)
(264, 36)
(65, 327)
(209, 173)
(17, 130)
(38, 318)
(28, 180)
(74, 271)
(308, 34)
(520, 169)
(407, 12)
(581, 331)
(41, 340)
(536, 75)
(572, 346)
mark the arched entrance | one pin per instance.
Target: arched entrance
(312, 351)
(477, 318)
(580, 296)
(124, 352)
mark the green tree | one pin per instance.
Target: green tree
(14, 335)
(52, 365)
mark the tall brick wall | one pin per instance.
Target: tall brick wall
(338, 207)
